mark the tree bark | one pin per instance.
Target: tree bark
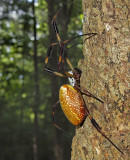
(105, 74)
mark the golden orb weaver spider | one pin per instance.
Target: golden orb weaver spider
(70, 96)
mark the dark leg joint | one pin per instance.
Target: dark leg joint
(49, 51)
(55, 26)
(95, 124)
(48, 70)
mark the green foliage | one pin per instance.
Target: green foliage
(17, 78)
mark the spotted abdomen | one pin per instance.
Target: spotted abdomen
(72, 104)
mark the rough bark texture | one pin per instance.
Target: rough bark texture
(105, 74)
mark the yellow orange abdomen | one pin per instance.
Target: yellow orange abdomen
(72, 104)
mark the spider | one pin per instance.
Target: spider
(70, 96)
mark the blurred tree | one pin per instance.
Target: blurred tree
(63, 21)
(36, 87)
(55, 83)
(25, 96)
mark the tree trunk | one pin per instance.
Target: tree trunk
(58, 152)
(105, 74)
(63, 18)
(36, 90)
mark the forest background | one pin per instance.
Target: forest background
(27, 92)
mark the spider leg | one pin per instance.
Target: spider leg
(64, 74)
(55, 73)
(53, 116)
(87, 93)
(63, 53)
(61, 44)
(55, 27)
(59, 41)
(70, 65)
(86, 34)
(49, 51)
(95, 124)
(54, 24)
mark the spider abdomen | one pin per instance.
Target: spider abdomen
(72, 104)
